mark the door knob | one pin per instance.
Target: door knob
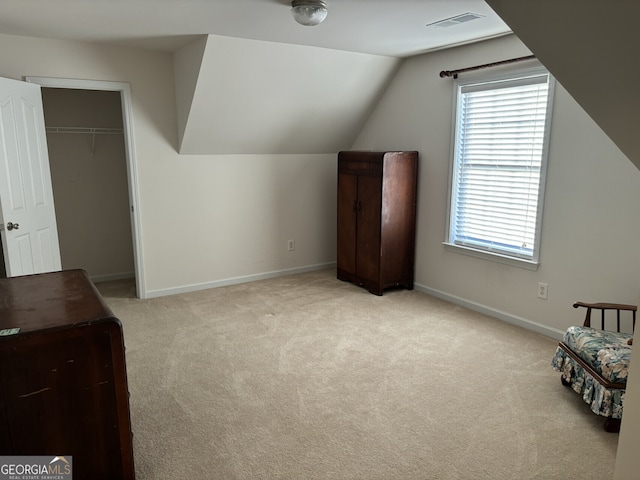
(12, 226)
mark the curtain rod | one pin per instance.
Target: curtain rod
(454, 73)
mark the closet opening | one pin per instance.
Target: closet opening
(89, 179)
(93, 175)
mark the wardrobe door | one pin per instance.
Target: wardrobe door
(347, 204)
(398, 220)
(368, 230)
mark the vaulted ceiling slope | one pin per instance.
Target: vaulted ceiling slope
(591, 48)
(240, 96)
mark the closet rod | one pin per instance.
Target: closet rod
(454, 73)
(94, 130)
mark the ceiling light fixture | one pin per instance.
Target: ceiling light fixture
(309, 12)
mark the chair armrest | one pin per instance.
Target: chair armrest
(606, 306)
(603, 307)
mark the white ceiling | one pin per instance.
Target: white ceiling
(379, 27)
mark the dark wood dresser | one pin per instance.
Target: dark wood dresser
(63, 379)
(377, 218)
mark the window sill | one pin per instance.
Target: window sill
(493, 257)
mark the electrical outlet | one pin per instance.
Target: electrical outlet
(543, 290)
(291, 245)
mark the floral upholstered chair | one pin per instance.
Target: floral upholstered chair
(594, 362)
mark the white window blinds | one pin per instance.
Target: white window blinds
(500, 158)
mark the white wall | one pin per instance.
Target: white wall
(263, 97)
(221, 218)
(206, 219)
(627, 458)
(591, 218)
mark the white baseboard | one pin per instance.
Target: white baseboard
(233, 281)
(111, 277)
(492, 312)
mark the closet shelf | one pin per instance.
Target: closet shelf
(93, 130)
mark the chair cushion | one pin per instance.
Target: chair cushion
(606, 352)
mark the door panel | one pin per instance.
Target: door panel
(25, 259)
(398, 219)
(368, 227)
(348, 190)
(13, 200)
(26, 194)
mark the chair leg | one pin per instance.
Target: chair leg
(612, 425)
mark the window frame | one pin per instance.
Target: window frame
(510, 74)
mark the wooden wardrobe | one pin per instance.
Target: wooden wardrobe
(376, 218)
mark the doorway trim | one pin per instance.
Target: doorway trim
(132, 167)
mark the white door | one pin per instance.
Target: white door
(27, 214)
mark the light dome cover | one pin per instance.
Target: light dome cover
(309, 12)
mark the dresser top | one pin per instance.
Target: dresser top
(49, 301)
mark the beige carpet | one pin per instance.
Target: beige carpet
(307, 377)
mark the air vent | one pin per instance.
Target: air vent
(457, 20)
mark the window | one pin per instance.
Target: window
(499, 162)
